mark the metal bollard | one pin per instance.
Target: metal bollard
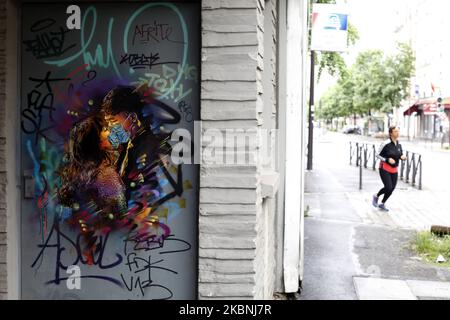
(360, 171)
(408, 167)
(357, 153)
(402, 170)
(366, 160)
(420, 173)
(374, 158)
(351, 153)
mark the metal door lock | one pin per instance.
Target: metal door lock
(29, 185)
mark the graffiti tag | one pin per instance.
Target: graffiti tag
(39, 105)
(142, 61)
(49, 41)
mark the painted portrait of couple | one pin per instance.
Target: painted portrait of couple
(109, 172)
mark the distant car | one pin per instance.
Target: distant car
(352, 130)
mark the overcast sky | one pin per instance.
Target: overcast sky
(376, 21)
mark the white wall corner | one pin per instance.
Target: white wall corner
(270, 183)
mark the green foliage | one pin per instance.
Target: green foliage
(374, 83)
(329, 106)
(430, 246)
(368, 78)
(399, 70)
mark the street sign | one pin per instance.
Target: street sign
(329, 27)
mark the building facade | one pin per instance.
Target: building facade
(422, 27)
(227, 75)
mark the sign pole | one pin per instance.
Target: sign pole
(329, 33)
(311, 115)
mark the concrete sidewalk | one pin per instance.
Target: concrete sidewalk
(388, 289)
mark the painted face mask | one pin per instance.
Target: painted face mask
(118, 136)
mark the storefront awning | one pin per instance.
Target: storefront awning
(429, 106)
(411, 110)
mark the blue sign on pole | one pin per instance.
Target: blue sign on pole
(329, 28)
(337, 22)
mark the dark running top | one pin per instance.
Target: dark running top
(388, 149)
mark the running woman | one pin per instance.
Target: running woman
(390, 154)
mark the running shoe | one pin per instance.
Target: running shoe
(382, 207)
(375, 201)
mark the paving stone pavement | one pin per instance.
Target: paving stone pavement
(410, 209)
(388, 289)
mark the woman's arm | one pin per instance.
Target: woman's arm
(381, 154)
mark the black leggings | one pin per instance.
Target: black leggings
(390, 182)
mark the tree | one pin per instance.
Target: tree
(382, 82)
(328, 108)
(374, 83)
(346, 89)
(368, 78)
(399, 70)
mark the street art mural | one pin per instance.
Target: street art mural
(106, 213)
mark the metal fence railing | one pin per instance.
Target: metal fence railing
(365, 152)
(364, 155)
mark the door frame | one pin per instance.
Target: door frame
(13, 156)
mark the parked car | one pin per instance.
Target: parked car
(352, 130)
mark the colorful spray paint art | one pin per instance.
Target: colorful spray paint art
(102, 195)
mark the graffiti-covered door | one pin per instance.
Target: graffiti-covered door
(107, 213)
